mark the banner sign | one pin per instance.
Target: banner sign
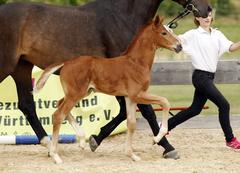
(91, 113)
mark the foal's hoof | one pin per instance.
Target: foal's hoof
(56, 158)
(46, 142)
(171, 155)
(93, 143)
(82, 144)
(135, 157)
(132, 155)
(156, 139)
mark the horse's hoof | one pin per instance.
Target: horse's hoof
(82, 144)
(162, 132)
(57, 159)
(171, 155)
(92, 143)
(156, 139)
(135, 158)
(154, 142)
(46, 142)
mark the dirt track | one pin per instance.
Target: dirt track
(201, 150)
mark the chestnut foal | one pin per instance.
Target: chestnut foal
(127, 75)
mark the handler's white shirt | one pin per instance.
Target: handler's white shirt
(204, 48)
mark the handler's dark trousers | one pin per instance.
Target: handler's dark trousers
(205, 89)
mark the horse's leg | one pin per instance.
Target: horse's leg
(22, 77)
(59, 115)
(57, 120)
(131, 125)
(145, 98)
(79, 131)
(149, 114)
(106, 130)
(8, 50)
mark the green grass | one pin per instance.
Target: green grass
(181, 95)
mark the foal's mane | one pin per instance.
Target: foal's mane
(139, 33)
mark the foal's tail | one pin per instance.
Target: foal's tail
(45, 75)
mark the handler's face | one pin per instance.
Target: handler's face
(205, 22)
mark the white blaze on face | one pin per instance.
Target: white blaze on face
(168, 29)
(171, 32)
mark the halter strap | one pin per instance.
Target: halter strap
(173, 23)
(188, 8)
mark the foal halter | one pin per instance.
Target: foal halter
(189, 7)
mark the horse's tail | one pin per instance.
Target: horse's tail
(45, 75)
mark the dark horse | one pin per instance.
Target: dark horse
(38, 34)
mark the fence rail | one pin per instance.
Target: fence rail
(180, 72)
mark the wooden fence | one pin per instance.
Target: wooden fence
(180, 72)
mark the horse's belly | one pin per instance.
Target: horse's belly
(111, 89)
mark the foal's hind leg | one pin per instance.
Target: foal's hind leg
(79, 131)
(60, 114)
(131, 126)
(145, 98)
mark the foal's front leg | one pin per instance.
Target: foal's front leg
(131, 125)
(145, 98)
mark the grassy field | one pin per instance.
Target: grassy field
(181, 95)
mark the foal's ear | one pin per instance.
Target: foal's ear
(158, 20)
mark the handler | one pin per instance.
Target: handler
(205, 46)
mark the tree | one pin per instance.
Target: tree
(168, 8)
(223, 7)
(3, 1)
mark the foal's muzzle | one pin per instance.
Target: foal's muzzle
(178, 48)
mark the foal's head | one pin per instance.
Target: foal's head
(163, 37)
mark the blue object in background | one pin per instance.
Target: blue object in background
(32, 139)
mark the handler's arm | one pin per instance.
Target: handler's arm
(234, 47)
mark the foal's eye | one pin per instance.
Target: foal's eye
(164, 33)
